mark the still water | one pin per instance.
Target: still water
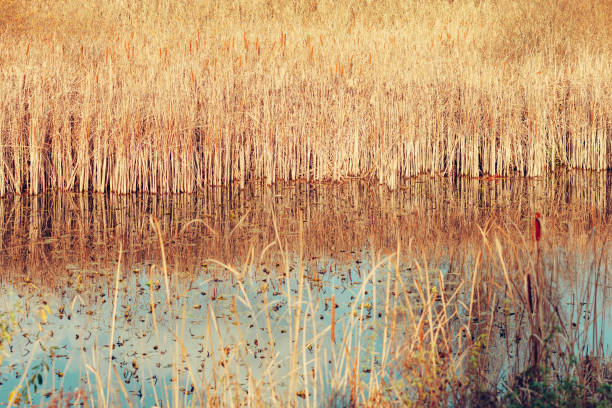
(295, 290)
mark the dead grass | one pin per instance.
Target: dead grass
(171, 97)
(503, 310)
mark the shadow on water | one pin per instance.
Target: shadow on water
(244, 312)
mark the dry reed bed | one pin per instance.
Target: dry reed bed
(470, 89)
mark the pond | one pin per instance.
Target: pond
(303, 294)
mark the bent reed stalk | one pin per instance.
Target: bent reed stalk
(171, 99)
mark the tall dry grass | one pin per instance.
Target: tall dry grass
(493, 324)
(173, 96)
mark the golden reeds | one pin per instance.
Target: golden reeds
(156, 106)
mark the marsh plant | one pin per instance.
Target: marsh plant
(492, 322)
(174, 96)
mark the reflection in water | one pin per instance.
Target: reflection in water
(219, 334)
(55, 230)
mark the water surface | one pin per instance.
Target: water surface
(241, 262)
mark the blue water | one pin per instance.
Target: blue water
(71, 348)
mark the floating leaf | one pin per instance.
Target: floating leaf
(43, 315)
(15, 396)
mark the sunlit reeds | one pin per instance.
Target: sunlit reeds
(172, 101)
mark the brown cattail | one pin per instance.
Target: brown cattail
(529, 293)
(537, 227)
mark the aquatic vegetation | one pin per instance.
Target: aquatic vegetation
(481, 320)
(156, 98)
(7, 327)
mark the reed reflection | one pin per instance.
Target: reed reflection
(43, 233)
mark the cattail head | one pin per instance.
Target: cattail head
(537, 227)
